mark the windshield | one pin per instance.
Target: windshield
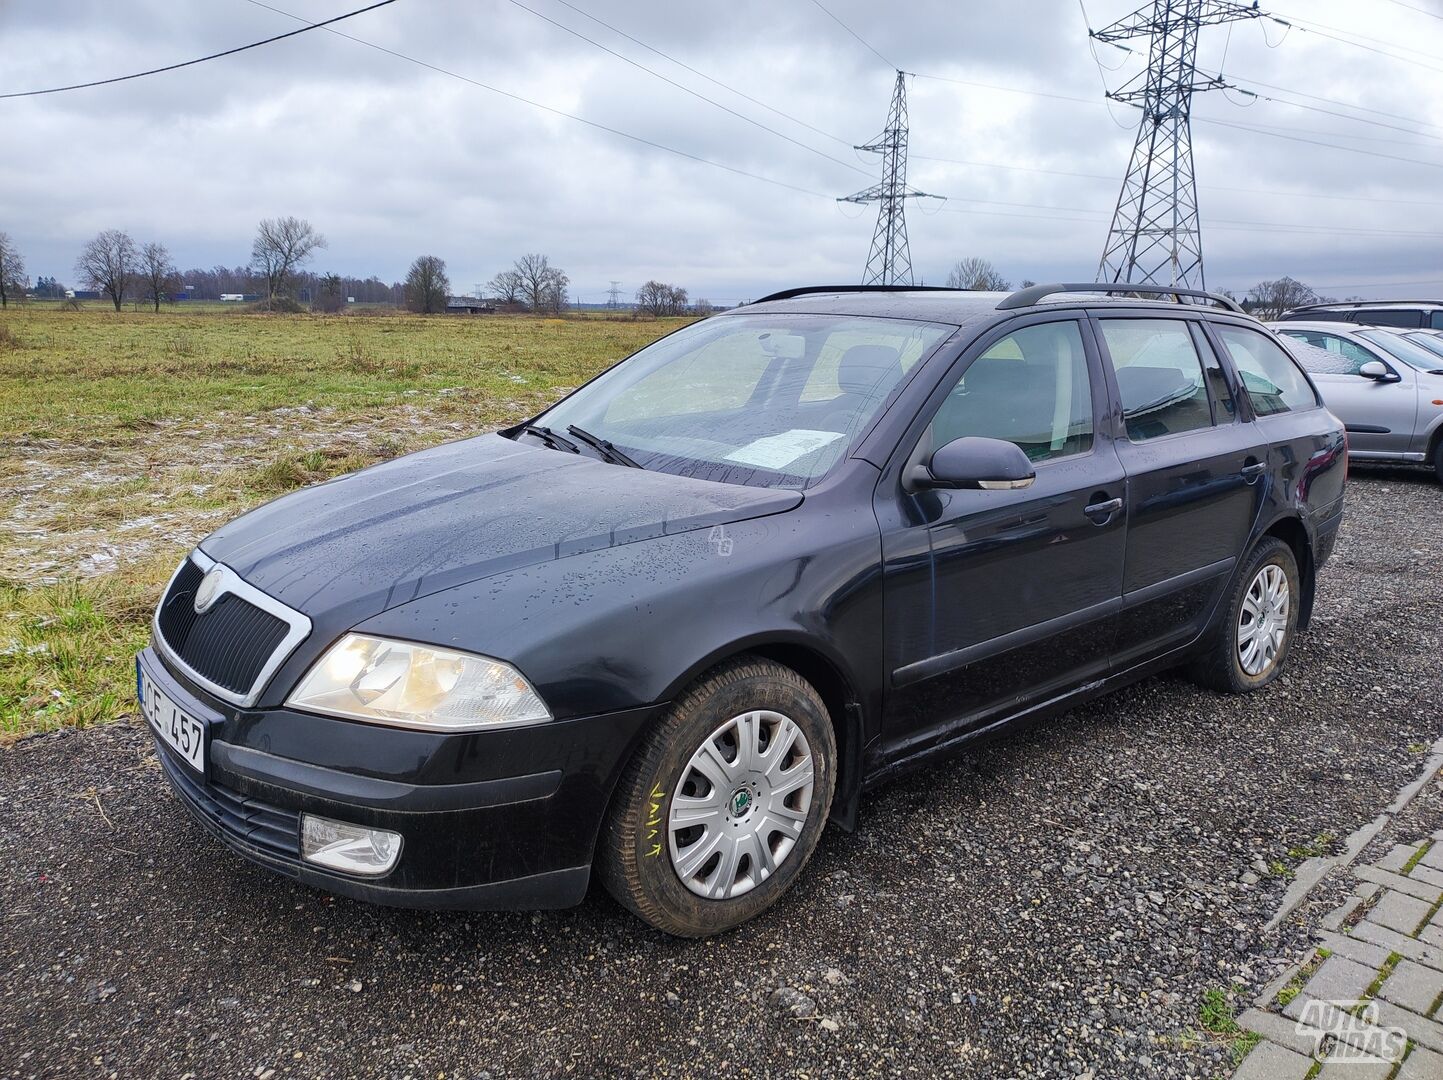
(763, 400)
(1433, 344)
(1398, 346)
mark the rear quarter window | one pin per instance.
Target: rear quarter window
(1273, 380)
(1410, 319)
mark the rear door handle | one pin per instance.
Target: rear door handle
(1252, 472)
(1103, 510)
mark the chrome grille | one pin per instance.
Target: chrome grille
(233, 646)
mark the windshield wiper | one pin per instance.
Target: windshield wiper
(550, 438)
(604, 447)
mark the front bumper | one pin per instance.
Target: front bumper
(478, 831)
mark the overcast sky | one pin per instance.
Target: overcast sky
(391, 159)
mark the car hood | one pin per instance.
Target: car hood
(366, 542)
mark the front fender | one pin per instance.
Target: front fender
(625, 627)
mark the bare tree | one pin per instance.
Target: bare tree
(505, 288)
(332, 294)
(108, 263)
(1269, 299)
(542, 286)
(703, 307)
(12, 271)
(658, 299)
(976, 275)
(427, 286)
(158, 276)
(282, 246)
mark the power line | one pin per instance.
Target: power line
(704, 75)
(1327, 112)
(1414, 7)
(771, 180)
(199, 59)
(1330, 146)
(1356, 41)
(686, 89)
(1221, 73)
(1095, 103)
(1352, 198)
(553, 110)
(1305, 25)
(856, 35)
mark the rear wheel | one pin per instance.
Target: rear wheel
(723, 804)
(1247, 649)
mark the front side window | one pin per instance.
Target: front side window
(1159, 377)
(1436, 320)
(1031, 388)
(762, 400)
(1348, 357)
(1400, 348)
(1274, 382)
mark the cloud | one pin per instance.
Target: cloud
(391, 158)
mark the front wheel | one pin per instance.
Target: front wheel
(724, 802)
(1247, 649)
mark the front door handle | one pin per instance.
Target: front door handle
(1103, 510)
(1253, 471)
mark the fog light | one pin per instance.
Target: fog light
(351, 849)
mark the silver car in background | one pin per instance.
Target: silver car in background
(1386, 387)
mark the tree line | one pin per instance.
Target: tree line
(118, 267)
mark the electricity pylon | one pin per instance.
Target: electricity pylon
(890, 261)
(1156, 234)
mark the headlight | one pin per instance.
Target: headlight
(416, 686)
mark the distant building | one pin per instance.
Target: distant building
(232, 298)
(86, 294)
(468, 305)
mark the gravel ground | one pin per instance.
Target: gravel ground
(1055, 904)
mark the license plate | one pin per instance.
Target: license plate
(179, 730)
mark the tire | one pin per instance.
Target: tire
(1438, 460)
(1225, 665)
(762, 800)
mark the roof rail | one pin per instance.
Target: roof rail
(1324, 305)
(787, 294)
(1029, 296)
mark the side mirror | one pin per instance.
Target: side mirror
(1378, 371)
(976, 463)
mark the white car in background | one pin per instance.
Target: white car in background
(1384, 385)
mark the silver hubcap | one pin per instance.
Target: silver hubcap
(1263, 623)
(741, 805)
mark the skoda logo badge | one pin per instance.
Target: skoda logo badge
(741, 802)
(209, 591)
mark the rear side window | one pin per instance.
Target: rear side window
(1159, 377)
(1031, 388)
(1274, 383)
(1437, 321)
(1410, 319)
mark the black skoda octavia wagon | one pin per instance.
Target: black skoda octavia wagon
(675, 624)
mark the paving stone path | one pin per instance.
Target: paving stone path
(1364, 1004)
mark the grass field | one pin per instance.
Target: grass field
(125, 438)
